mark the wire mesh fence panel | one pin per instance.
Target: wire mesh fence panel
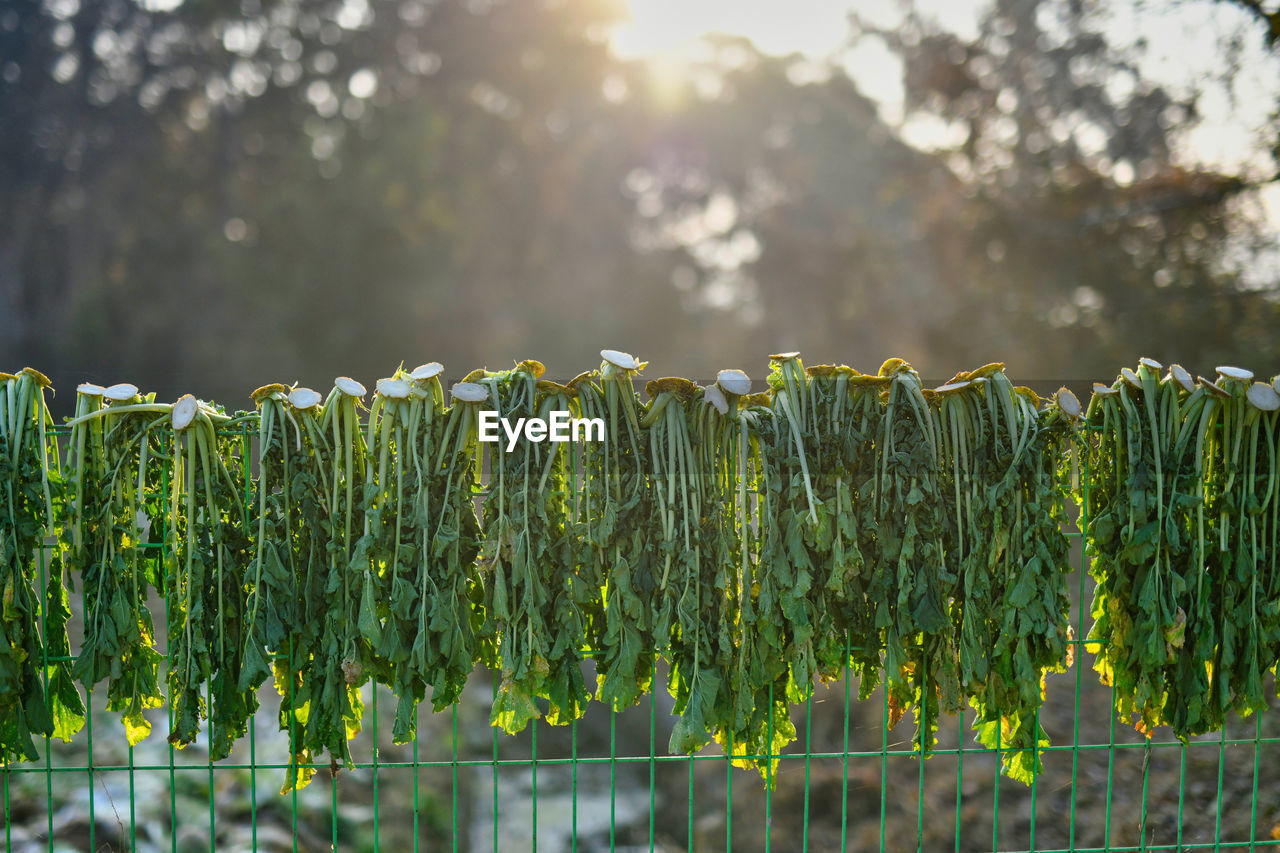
(848, 781)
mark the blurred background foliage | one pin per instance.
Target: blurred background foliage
(206, 196)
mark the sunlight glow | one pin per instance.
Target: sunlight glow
(812, 27)
(819, 31)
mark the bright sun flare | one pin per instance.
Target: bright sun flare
(814, 27)
(662, 30)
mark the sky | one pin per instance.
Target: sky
(1180, 53)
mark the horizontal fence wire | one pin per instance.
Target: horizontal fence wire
(605, 781)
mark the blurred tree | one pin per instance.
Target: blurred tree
(1090, 240)
(303, 188)
(801, 221)
(203, 196)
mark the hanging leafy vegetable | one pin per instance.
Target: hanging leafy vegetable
(335, 588)
(768, 654)
(208, 552)
(270, 580)
(844, 415)
(677, 491)
(574, 605)
(121, 501)
(509, 634)
(1149, 508)
(1002, 488)
(383, 564)
(1241, 474)
(808, 612)
(796, 550)
(416, 605)
(619, 494)
(856, 543)
(308, 495)
(451, 606)
(705, 457)
(32, 630)
(1261, 606)
(277, 638)
(1188, 575)
(534, 622)
(912, 584)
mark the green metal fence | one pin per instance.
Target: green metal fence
(849, 782)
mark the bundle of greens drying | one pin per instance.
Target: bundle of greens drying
(452, 602)
(207, 557)
(339, 591)
(1182, 520)
(858, 405)
(911, 584)
(624, 522)
(694, 444)
(794, 551)
(1002, 488)
(118, 449)
(677, 491)
(575, 605)
(590, 533)
(828, 429)
(312, 463)
(761, 678)
(272, 613)
(33, 629)
(1241, 481)
(776, 659)
(703, 652)
(840, 417)
(416, 607)
(1154, 625)
(384, 566)
(533, 595)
